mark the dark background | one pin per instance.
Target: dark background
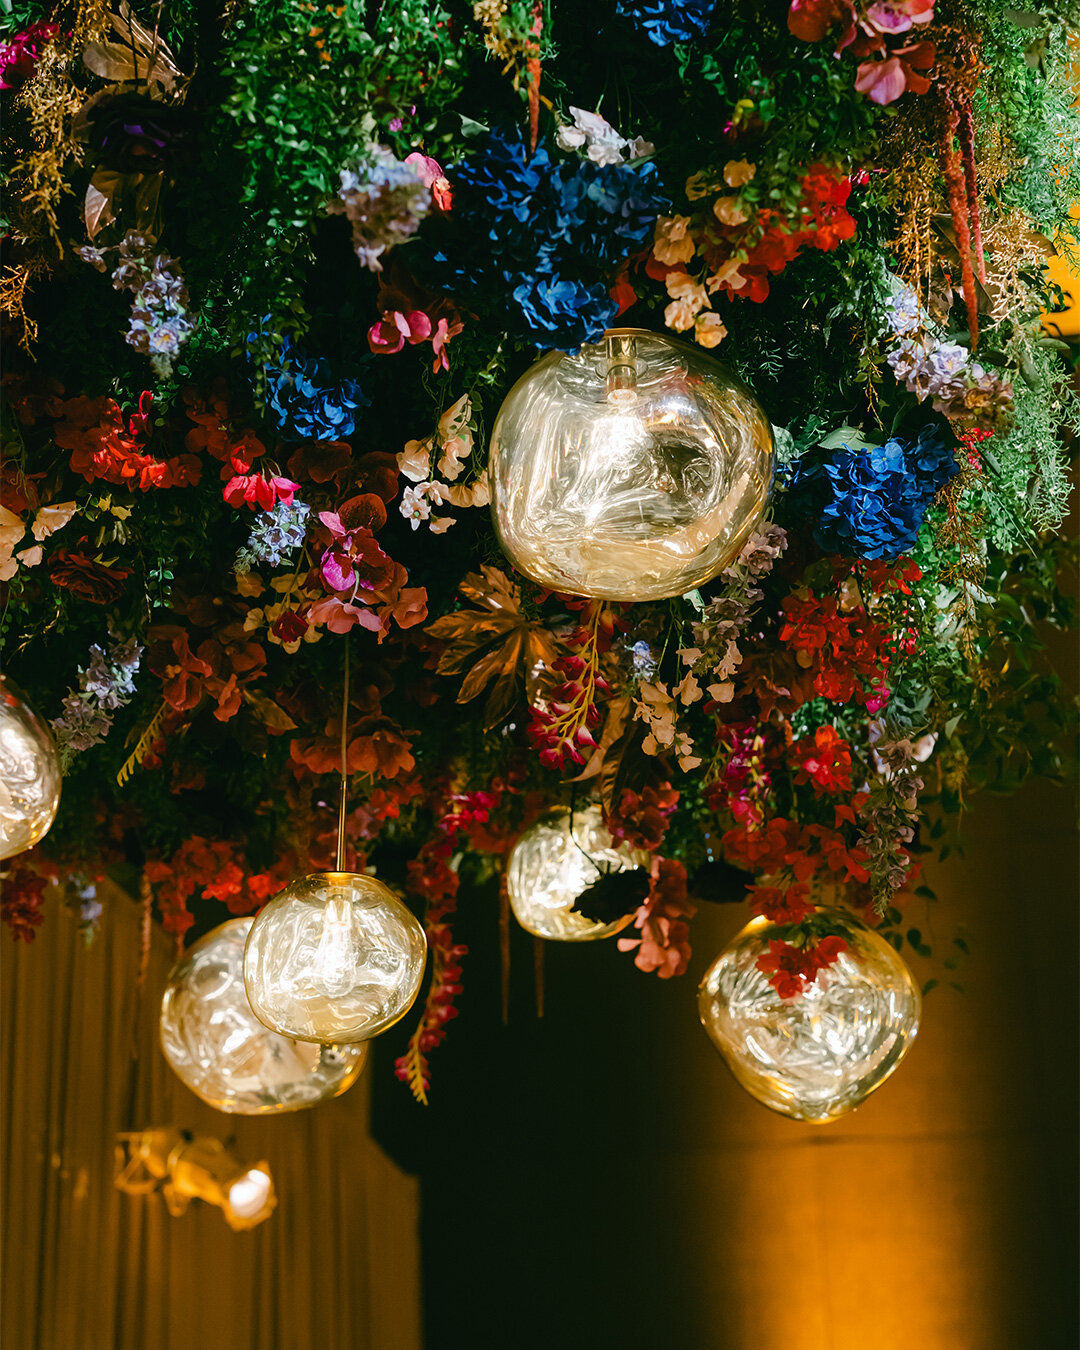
(596, 1177)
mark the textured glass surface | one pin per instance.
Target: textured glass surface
(633, 469)
(218, 1047)
(549, 867)
(29, 774)
(335, 958)
(816, 1056)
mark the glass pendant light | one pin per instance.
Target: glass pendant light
(633, 469)
(29, 773)
(335, 957)
(553, 862)
(216, 1045)
(817, 1055)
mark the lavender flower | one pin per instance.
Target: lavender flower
(890, 813)
(159, 323)
(905, 312)
(944, 372)
(385, 203)
(716, 655)
(274, 535)
(107, 683)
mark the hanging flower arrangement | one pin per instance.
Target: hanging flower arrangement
(262, 311)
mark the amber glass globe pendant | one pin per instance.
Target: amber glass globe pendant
(335, 957)
(817, 1055)
(29, 774)
(216, 1045)
(633, 469)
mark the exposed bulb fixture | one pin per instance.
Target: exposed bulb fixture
(633, 469)
(186, 1167)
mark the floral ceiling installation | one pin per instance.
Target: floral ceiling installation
(271, 270)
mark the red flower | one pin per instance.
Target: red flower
(256, 489)
(825, 761)
(290, 626)
(81, 573)
(779, 905)
(642, 821)
(790, 969)
(21, 898)
(182, 671)
(810, 20)
(102, 447)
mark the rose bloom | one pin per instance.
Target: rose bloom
(80, 573)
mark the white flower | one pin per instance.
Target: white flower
(455, 452)
(671, 242)
(414, 505)
(415, 460)
(709, 329)
(729, 211)
(570, 138)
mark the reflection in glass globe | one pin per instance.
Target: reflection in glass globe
(550, 866)
(335, 958)
(818, 1055)
(29, 774)
(634, 469)
(218, 1047)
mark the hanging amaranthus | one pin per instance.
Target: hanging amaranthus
(957, 192)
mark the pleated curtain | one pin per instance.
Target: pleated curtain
(86, 1267)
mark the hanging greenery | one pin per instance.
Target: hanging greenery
(272, 269)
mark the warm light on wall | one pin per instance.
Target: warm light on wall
(188, 1167)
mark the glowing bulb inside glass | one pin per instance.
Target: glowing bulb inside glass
(634, 469)
(334, 958)
(29, 774)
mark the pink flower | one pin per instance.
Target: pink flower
(885, 81)
(897, 16)
(20, 56)
(430, 173)
(391, 333)
(354, 561)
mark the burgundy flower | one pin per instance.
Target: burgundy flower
(81, 573)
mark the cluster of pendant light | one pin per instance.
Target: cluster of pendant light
(634, 469)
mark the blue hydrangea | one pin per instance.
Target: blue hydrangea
(668, 21)
(546, 236)
(308, 402)
(877, 496)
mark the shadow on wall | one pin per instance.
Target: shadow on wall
(597, 1179)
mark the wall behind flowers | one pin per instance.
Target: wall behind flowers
(597, 1178)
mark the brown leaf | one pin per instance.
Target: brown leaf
(496, 642)
(268, 712)
(147, 201)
